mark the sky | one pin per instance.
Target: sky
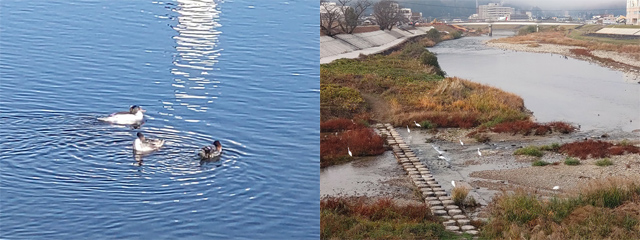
(570, 4)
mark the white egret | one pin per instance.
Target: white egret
(461, 143)
(417, 124)
(479, 153)
(453, 183)
(556, 187)
(441, 157)
(408, 130)
(349, 150)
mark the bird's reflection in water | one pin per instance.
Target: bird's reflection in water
(208, 161)
(138, 157)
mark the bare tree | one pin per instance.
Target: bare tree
(387, 14)
(330, 15)
(351, 14)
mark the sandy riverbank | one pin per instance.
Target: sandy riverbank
(630, 65)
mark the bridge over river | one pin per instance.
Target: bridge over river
(537, 24)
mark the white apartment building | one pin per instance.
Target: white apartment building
(494, 12)
(633, 12)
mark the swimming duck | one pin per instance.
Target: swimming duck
(208, 152)
(144, 145)
(133, 116)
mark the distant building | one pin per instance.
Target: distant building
(416, 17)
(493, 12)
(406, 14)
(633, 12)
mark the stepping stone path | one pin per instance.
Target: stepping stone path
(436, 198)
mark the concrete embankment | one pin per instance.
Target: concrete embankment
(352, 45)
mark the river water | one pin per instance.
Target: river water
(236, 71)
(553, 87)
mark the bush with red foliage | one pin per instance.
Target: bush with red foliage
(596, 149)
(383, 208)
(361, 142)
(454, 120)
(526, 127)
(340, 124)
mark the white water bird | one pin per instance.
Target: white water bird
(556, 187)
(144, 145)
(461, 143)
(349, 150)
(417, 125)
(453, 183)
(441, 157)
(408, 130)
(479, 153)
(133, 116)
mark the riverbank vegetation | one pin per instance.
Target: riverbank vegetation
(604, 209)
(401, 87)
(364, 218)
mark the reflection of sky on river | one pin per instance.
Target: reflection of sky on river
(197, 53)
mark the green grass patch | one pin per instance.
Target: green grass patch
(571, 161)
(539, 163)
(554, 147)
(604, 162)
(529, 151)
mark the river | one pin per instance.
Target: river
(236, 71)
(555, 88)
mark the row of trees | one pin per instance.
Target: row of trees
(344, 15)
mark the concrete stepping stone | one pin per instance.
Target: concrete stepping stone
(452, 228)
(464, 222)
(468, 228)
(434, 203)
(459, 216)
(441, 193)
(472, 232)
(428, 199)
(429, 194)
(449, 223)
(450, 206)
(437, 208)
(440, 212)
(454, 212)
(447, 202)
(442, 198)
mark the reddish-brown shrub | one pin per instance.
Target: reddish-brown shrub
(596, 149)
(339, 124)
(361, 142)
(561, 127)
(526, 127)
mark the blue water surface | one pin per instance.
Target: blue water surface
(242, 72)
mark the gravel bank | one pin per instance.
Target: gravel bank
(633, 67)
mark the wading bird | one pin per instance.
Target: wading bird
(417, 125)
(408, 130)
(349, 150)
(453, 183)
(461, 143)
(479, 153)
(556, 187)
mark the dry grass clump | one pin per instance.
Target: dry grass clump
(458, 195)
(362, 218)
(597, 149)
(605, 209)
(527, 127)
(361, 142)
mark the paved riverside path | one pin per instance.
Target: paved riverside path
(438, 200)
